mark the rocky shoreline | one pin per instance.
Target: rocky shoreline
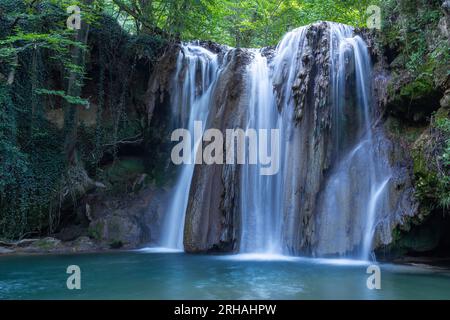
(102, 223)
(50, 245)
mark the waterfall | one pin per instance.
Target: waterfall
(263, 197)
(260, 214)
(332, 184)
(357, 187)
(195, 74)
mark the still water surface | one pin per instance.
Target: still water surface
(149, 274)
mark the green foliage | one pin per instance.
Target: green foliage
(43, 70)
(410, 27)
(26, 178)
(70, 99)
(238, 23)
(95, 231)
(420, 87)
(31, 162)
(121, 176)
(432, 165)
(403, 131)
(443, 125)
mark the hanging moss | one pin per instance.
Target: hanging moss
(35, 176)
(418, 56)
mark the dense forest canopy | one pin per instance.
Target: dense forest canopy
(252, 23)
(46, 67)
(248, 23)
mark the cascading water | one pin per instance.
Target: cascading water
(195, 75)
(260, 208)
(355, 190)
(357, 187)
(263, 197)
(316, 89)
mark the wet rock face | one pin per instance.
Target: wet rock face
(313, 80)
(159, 82)
(129, 222)
(415, 88)
(311, 136)
(212, 218)
(402, 202)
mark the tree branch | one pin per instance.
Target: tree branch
(138, 17)
(131, 140)
(16, 21)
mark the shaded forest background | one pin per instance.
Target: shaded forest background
(65, 115)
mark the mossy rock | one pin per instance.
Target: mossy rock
(95, 230)
(116, 244)
(421, 238)
(426, 182)
(121, 176)
(122, 169)
(402, 131)
(419, 88)
(47, 243)
(116, 227)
